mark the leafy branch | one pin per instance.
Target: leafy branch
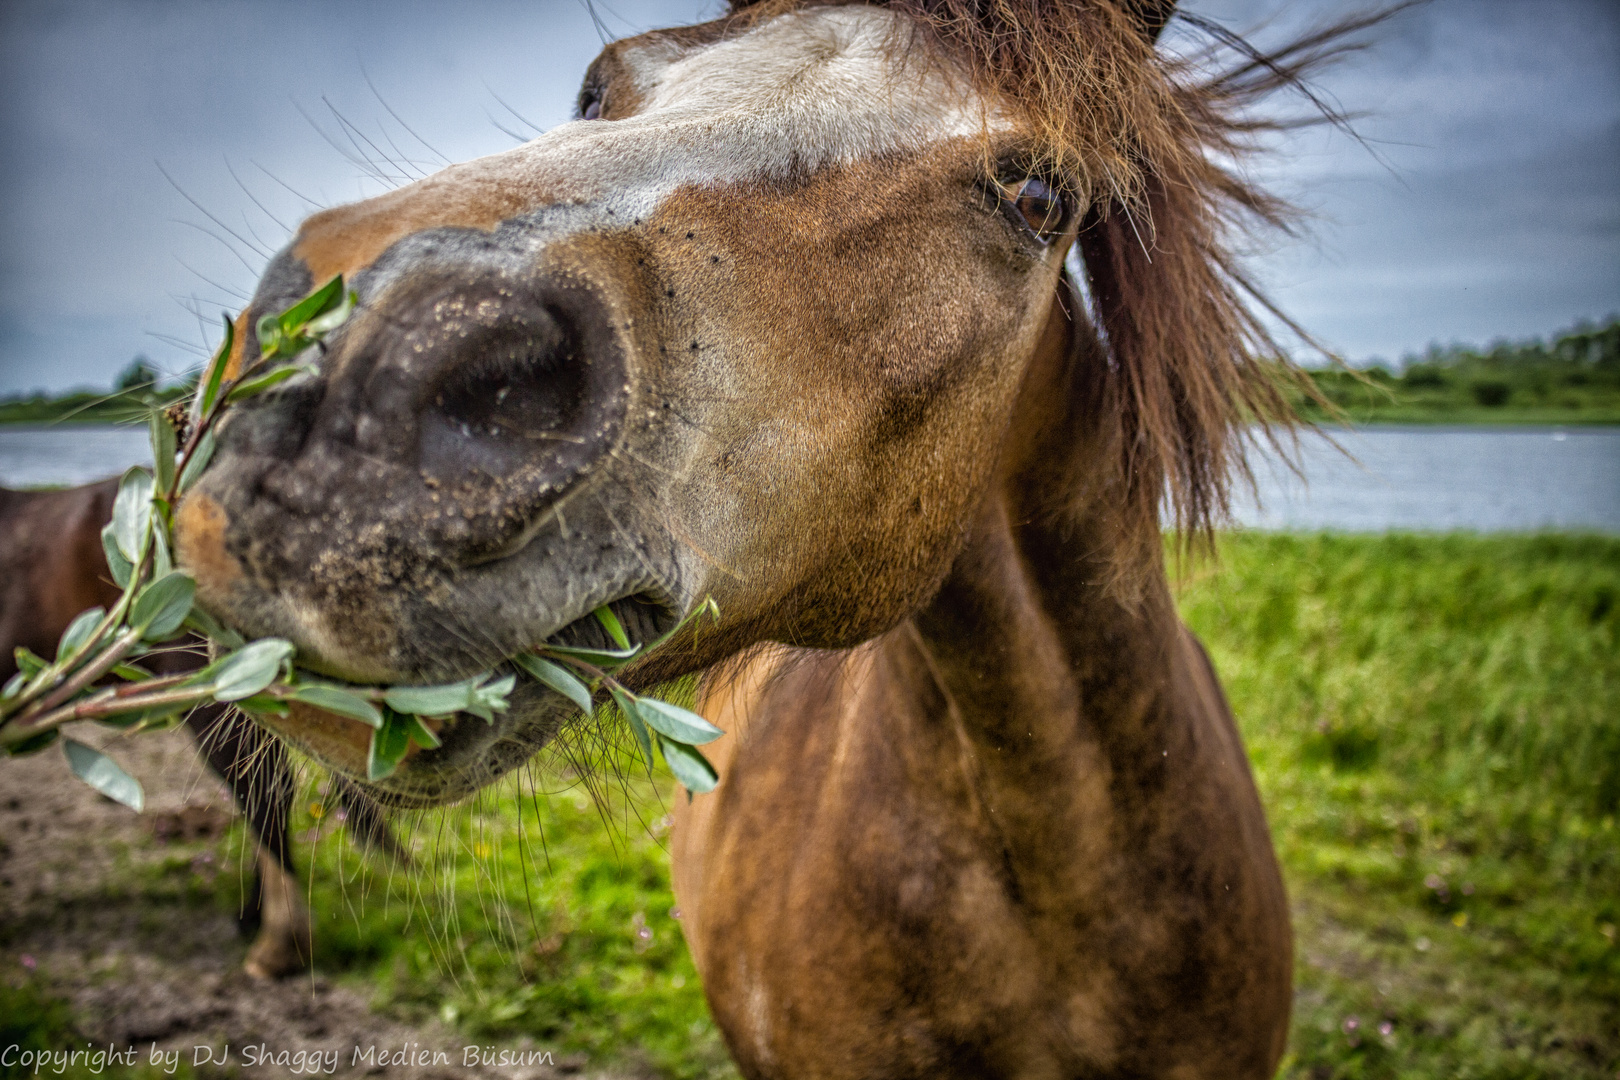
(262, 676)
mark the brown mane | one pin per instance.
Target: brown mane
(1145, 138)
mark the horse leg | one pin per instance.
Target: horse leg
(283, 944)
(255, 767)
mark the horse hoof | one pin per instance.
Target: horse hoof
(274, 957)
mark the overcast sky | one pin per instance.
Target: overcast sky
(1492, 206)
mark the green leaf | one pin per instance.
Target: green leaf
(602, 658)
(334, 317)
(677, 723)
(14, 685)
(263, 703)
(102, 773)
(440, 700)
(162, 563)
(162, 449)
(248, 670)
(690, 767)
(131, 672)
(162, 606)
(326, 298)
(27, 663)
(216, 369)
(200, 458)
(419, 732)
(338, 700)
(132, 513)
(212, 629)
(491, 699)
(120, 567)
(610, 623)
(627, 705)
(78, 632)
(389, 744)
(306, 322)
(269, 332)
(554, 676)
(707, 607)
(35, 744)
(265, 382)
(475, 695)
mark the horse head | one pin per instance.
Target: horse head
(762, 325)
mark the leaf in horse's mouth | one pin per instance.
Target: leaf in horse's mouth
(262, 676)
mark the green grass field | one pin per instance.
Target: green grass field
(1435, 728)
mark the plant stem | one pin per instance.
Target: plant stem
(107, 703)
(88, 674)
(584, 666)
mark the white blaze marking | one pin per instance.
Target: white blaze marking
(796, 93)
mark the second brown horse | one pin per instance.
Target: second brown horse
(51, 568)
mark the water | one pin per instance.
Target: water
(1434, 478)
(67, 454)
(1431, 478)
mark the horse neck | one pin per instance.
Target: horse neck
(1031, 672)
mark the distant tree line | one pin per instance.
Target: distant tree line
(1575, 377)
(134, 392)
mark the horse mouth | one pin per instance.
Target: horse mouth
(472, 752)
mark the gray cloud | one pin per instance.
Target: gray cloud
(1489, 209)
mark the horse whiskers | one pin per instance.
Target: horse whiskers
(625, 454)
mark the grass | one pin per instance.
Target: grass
(544, 913)
(1435, 727)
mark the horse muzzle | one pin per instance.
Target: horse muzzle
(463, 412)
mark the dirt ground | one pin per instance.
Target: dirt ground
(140, 966)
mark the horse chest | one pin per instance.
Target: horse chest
(861, 923)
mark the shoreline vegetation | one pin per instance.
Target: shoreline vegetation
(1571, 379)
(1574, 379)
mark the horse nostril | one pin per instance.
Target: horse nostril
(504, 406)
(526, 389)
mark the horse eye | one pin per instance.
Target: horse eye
(1040, 205)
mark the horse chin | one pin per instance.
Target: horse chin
(471, 754)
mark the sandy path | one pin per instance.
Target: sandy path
(91, 900)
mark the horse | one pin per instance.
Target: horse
(51, 568)
(784, 320)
